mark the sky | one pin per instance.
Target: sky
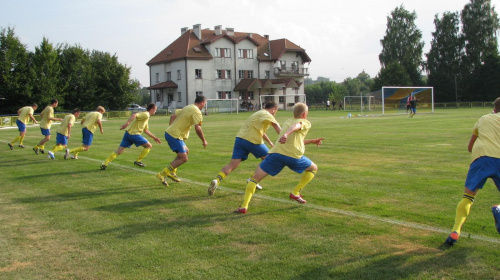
(342, 38)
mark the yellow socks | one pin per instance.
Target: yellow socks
(77, 150)
(18, 138)
(144, 153)
(251, 186)
(221, 176)
(463, 210)
(57, 148)
(169, 169)
(111, 157)
(21, 139)
(306, 178)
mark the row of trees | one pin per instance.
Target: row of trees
(463, 63)
(78, 78)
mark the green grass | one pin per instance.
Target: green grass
(380, 207)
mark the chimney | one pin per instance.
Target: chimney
(266, 36)
(218, 29)
(197, 30)
(250, 35)
(230, 31)
(183, 30)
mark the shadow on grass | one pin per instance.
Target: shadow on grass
(406, 264)
(79, 195)
(176, 222)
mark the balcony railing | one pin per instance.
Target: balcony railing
(290, 71)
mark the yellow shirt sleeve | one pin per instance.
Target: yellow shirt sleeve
(256, 125)
(91, 120)
(139, 124)
(46, 115)
(294, 146)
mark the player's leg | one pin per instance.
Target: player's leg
(143, 142)
(250, 188)
(225, 171)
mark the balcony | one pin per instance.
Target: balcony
(290, 72)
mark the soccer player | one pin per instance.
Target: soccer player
(178, 131)
(47, 117)
(288, 151)
(90, 122)
(64, 132)
(133, 136)
(250, 140)
(25, 113)
(484, 145)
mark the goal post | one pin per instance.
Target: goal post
(359, 103)
(222, 106)
(285, 102)
(395, 98)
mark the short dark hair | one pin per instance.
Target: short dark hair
(54, 101)
(150, 106)
(497, 104)
(76, 110)
(199, 99)
(270, 105)
(34, 105)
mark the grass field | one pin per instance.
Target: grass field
(380, 207)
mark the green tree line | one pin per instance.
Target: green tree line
(78, 78)
(463, 63)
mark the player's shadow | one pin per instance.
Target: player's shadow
(393, 265)
(177, 222)
(78, 195)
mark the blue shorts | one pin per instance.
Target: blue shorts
(61, 139)
(87, 137)
(274, 163)
(480, 170)
(414, 110)
(243, 147)
(129, 139)
(176, 145)
(21, 126)
(45, 131)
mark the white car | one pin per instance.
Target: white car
(135, 108)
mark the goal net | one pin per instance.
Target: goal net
(285, 102)
(222, 106)
(359, 103)
(393, 99)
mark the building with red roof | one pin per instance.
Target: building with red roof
(224, 64)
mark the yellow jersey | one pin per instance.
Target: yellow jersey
(139, 124)
(46, 115)
(91, 119)
(185, 118)
(256, 126)
(294, 146)
(487, 128)
(24, 115)
(68, 119)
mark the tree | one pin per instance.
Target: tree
(402, 44)
(15, 87)
(45, 74)
(366, 82)
(392, 75)
(479, 23)
(444, 58)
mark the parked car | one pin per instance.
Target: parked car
(135, 108)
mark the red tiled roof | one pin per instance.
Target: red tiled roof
(189, 46)
(167, 84)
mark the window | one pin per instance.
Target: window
(268, 75)
(296, 99)
(219, 94)
(158, 97)
(281, 99)
(245, 53)
(250, 74)
(222, 52)
(178, 74)
(241, 74)
(179, 96)
(157, 77)
(197, 73)
(169, 76)
(245, 74)
(199, 93)
(228, 95)
(223, 74)
(224, 94)
(250, 95)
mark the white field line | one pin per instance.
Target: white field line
(317, 207)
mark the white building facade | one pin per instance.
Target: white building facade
(224, 64)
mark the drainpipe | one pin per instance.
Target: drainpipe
(186, 75)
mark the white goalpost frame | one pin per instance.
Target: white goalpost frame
(383, 97)
(281, 95)
(234, 100)
(370, 98)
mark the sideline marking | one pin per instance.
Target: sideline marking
(316, 207)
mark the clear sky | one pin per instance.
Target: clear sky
(342, 38)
